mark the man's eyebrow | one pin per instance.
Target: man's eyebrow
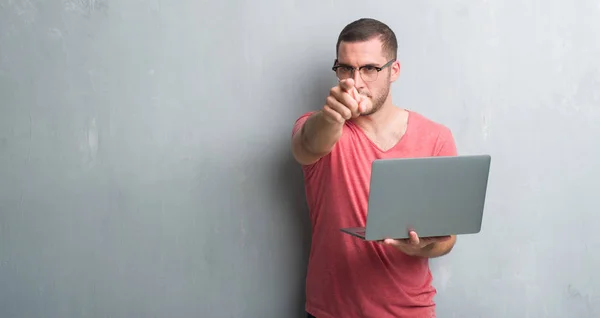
(365, 65)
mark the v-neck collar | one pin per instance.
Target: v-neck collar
(409, 124)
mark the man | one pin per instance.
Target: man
(348, 277)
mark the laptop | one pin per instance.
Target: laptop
(433, 196)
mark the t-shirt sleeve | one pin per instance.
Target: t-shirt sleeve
(445, 145)
(297, 126)
(299, 122)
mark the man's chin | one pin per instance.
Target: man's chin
(370, 111)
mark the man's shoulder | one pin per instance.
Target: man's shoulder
(425, 122)
(427, 131)
(305, 115)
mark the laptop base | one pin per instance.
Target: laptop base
(355, 231)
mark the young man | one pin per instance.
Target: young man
(348, 277)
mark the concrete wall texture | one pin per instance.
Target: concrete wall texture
(145, 167)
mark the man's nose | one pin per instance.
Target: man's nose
(357, 77)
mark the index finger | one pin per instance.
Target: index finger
(347, 85)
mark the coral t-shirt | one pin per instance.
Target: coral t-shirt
(348, 277)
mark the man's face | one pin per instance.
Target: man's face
(369, 53)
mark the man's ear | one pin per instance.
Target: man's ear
(395, 69)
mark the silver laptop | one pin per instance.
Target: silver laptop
(434, 196)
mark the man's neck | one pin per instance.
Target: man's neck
(387, 120)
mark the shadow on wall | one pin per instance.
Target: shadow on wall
(289, 180)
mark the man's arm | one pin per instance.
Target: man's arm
(322, 130)
(437, 249)
(315, 139)
(429, 247)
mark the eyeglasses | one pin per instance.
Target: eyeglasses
(368, 73)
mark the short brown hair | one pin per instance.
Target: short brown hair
(366, 29)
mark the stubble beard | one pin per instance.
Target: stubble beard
(378, 101)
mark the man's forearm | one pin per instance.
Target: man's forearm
(437, 249)
(319, 135)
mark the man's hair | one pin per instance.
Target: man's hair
(366, 29)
